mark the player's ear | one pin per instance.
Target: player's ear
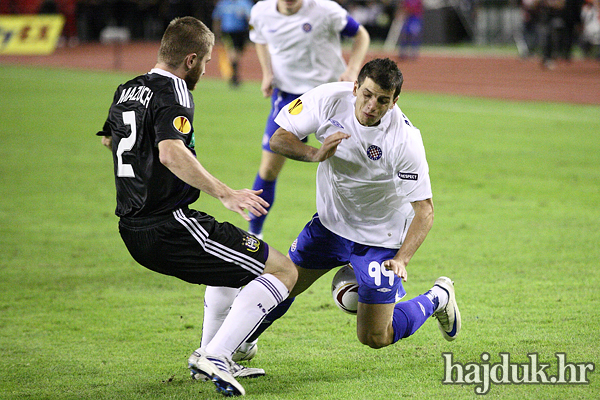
(190, 61)
(394, 102)
(355, 89)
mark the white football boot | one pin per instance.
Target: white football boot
(218, 369)
(245, 352)
(237, 371)
(448, 316)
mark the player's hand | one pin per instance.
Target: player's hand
(397, 267)
(329, 146)
(107, 141)
(241, 201)
(266, 86)
(349, 76)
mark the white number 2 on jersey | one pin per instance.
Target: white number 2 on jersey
(126, 144)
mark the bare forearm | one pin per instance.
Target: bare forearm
(417, 232)
(181, 162)
(288, 145)
(264, 58)
(360, 46)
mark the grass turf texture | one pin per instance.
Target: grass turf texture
(516, 188)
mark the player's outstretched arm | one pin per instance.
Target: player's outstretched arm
(360, 45)
(180, 161)
(287, 144)
(417, 232)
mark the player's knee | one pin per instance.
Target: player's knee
(283, 269)
(374, 341)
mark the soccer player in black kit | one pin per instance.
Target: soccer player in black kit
(150, 132)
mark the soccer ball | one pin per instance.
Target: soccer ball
(344, 289)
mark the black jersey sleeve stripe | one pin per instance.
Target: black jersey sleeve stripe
(183, 97)
(217, 249)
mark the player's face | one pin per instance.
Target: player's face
(194, 74)
(372, 102)
(289, 7)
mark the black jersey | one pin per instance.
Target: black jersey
(147, 109)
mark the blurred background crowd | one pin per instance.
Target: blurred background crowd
(549, 29)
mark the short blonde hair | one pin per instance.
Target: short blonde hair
(184, 36)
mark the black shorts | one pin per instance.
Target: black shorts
(237, 39)
(194, 247)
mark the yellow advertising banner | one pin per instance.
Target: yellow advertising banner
(30, 34)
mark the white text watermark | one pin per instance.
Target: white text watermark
(504, 372)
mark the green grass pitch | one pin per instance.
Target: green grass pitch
(517, 194)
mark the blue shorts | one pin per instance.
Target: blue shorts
(318, 248)
(279, 99)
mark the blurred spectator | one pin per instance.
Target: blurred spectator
(92, 17)
(68, 9)
(527, 38)
(572, 28)
(230, 26)
(201, 9)
(375, 16)
(552, 25)
(410, 35)
(590, 36)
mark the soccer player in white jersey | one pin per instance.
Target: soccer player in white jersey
(298, 43)
(374, 201)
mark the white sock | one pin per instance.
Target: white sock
(442, 296)
(217, 303)
(250, 307)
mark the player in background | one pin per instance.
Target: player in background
(230, 25)
(157, 175)
(298, 43)
(374, 201)
(410, 34)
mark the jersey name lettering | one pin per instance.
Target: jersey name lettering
(136, 93)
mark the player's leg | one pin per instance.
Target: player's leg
(224, 255)
(380, 322)
(235, 54)
(217, 303)
(271, 163)
(379, 325)
(315, 252)
(254, 301)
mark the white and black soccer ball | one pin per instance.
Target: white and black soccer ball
(344, 289)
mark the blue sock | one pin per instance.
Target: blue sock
(268, 187)
(411, 315)
(271, 317)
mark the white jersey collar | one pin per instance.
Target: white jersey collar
(168, 74)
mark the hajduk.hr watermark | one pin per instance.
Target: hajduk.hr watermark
(533, 372)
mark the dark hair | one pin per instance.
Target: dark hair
(383, 72)
(184, 36)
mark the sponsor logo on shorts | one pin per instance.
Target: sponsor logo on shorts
(335, 123)
(182, 124)
(374, 152)
(294, 245)
(251, 243)
(307, 27)
(407, 176)
(295, 107)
